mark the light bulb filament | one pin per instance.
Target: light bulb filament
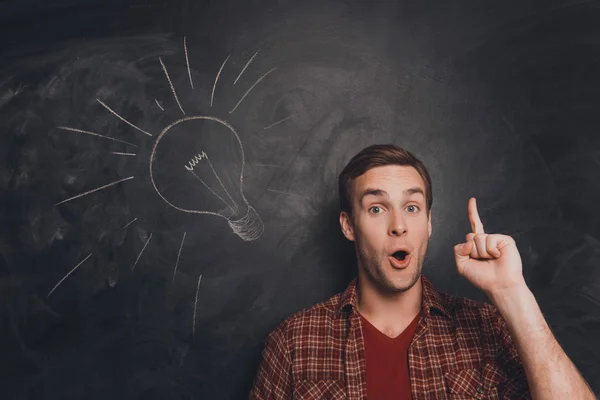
(195, 161)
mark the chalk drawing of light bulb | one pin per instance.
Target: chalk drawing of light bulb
(197, 166)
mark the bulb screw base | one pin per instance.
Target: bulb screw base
(250, 227)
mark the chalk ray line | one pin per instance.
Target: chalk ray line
(187, 61)
(94, 190)
(213, 192)
(251, 87)
(66, 128)
(139, 255)
(195, 307)
(129, 223)
(216, 79)
(178, 255)
(69, 273)
(245, 66)
(278, 122)
(122, 154)
(121, 118)
(158, 104)
(221, 183)
(171, 84)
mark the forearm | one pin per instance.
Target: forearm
(550, 372)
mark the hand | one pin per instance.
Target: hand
(491, 262)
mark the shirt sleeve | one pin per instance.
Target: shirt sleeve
(273, 380)
(516, 388)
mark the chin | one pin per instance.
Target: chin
(405, 282)
(390, 280)
(403, 286)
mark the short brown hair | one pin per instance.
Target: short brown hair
(379, 155)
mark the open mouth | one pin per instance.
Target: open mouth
(400, 259)
(400, 255)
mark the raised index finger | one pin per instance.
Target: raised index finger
(476, 225)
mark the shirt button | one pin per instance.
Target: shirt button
(480, 390)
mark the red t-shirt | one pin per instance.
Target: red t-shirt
(387, 362)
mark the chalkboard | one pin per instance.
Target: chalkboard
(168, 173)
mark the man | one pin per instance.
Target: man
(391, 335)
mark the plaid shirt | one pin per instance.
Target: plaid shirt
(461, 349)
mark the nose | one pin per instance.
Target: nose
(397, 225)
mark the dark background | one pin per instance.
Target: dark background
(500, 100)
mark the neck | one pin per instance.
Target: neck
(391, 308)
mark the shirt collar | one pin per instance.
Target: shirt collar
(431, 299)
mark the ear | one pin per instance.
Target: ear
(347, 227)
(429, 224)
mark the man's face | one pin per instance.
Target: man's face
(388, 207)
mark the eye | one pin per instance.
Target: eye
(413, 206)
(376, 210)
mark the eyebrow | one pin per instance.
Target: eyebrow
(383, 193)
(414, 190)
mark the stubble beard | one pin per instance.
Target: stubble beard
(375, 268)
